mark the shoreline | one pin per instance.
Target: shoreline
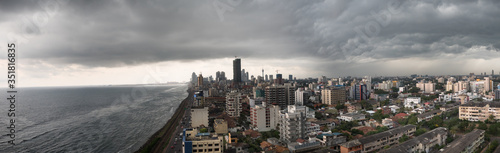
(161, 138)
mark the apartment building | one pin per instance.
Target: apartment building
(233, 104)
(422, 143)
(479, 111)
(333, 96)
(376, 142)
(467, 143)
(194, 141)
(264, 118)
(292, 122)
(428, 115)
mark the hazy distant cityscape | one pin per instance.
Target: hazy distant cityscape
(272, 112)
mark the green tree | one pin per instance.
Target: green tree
(413, 120)
(482, 126)
(340, 107)
(414, 90)
(435, 122)
(203, 130)
(318, 115)
(420, 131)
(394, 89)
(403, 138)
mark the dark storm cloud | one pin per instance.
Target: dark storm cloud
(115, 33)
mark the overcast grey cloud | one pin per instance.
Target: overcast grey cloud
(346, 34)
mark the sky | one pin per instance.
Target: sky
(95, 42)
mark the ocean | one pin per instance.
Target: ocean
(87, 119)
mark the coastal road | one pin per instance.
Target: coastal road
(176, 140)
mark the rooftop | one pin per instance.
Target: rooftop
(351, 143)
(422, 139)
(387, 133)
(429, 113)
(481, 104)
(460, 144)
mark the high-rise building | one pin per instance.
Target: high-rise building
(217, 76)
(264, 118)
(243, 76)
(290, 77)
(359, 92)
(223, 75)
(333, 96)
(281, 95)
(236, 71)
(194, 78)
(233, 104)
(200, 80)
(293, 123)
(271, 78)
(301, 96)
(279, 79)
(267, 78)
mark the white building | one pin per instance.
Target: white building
(411, 102)
(264, 118)
(351, 117)
(301, 96)
(312, 128)
(199, 116)
(233, 104)
(292, 122)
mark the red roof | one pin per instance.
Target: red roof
(400, 115)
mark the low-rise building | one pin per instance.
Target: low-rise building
(331, 140)
(428, 115)
(467, 143)
(307, 146)
(353, 146)
(376, 142)
(422, 143)
(220, 126)
(194, 141)
(412, 102)
(351, 117)
(479, 111)
(199, 116)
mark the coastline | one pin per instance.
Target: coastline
(161, 138)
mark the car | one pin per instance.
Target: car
(175, 143)
(172, 147)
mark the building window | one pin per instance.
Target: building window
(209, 145)
(216, 144)
(216, 149)
(209, 150)
(195, 150)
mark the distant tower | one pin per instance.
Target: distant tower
(200, 80)
(492, 72)
(262, 73)
(237, 70)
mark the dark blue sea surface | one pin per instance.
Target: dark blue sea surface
(87, 119)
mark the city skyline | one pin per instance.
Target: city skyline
(68, 43)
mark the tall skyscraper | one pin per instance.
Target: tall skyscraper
(279, 79)
(243, 75)
(223, 75)
(236, 71)
(271, 78)
(290, 77)
(200, 80)
(194, 78)
(267, 78)
(217, 76)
